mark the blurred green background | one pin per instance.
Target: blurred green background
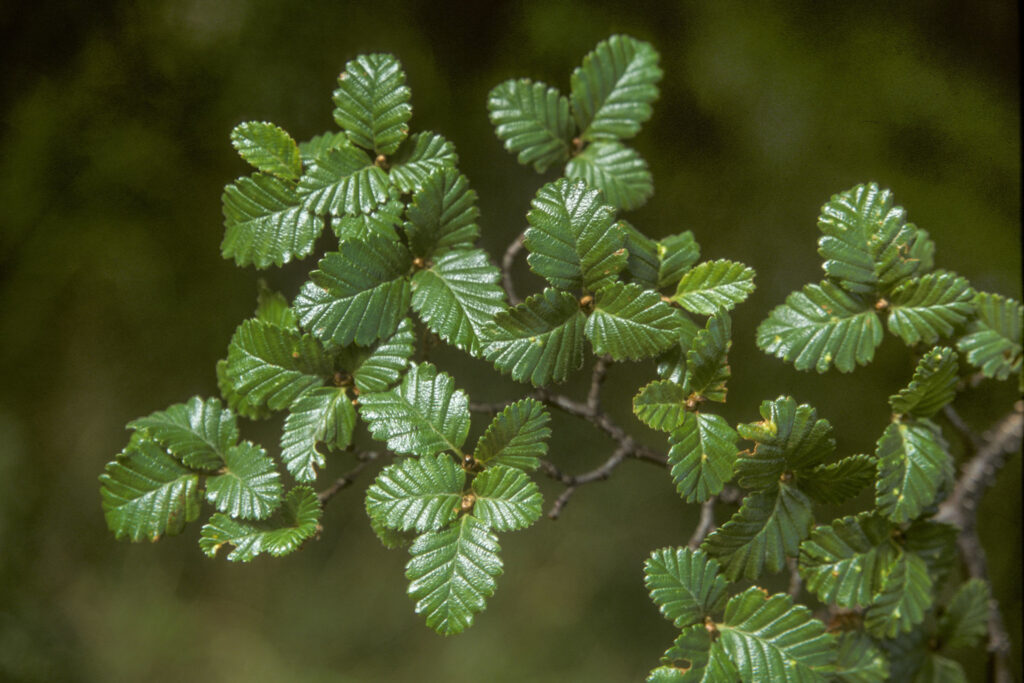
(115, 301)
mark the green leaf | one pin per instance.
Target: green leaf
(296, 520)
(442, 215)
(378, 368)
(421, 494)
(147, 493)
(265, 223)
(631, 322)
(929, 307)
(618, 171)
(685, 585)
(702, 454)
(965, 620)
(907, 653)
(771, 639)
(935, 543)
(248, 486)
(672, 363)
(790, 438)
(906, 595)
(273, 309)
(573, 239)
(933, 385)
(423, 155)
(695, 658)
(839, 481)
(713, 285)
(660, 405)
(237, 401)
(372, 102)
(390, 538)
(939, 669)
(451, 574)
(994, 340)
(423, 415)
(532, 120)
(767, 528)
(867, 244)
(359, 293)
(676, 255)
(271, 366)
(324, 414)
(506, 498)
(846, 563)
(539, 341)
(268, 148)
(343, 181)
(319, 145)
(382, 221)
(912, 465)
(642, 261)
(707, 367)
(457, 296)
(198, 433)
(821, 325)
(859, 661)
(516, 437)
(613, 90)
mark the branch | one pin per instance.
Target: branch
(348, 478)
(573, 482)
(706, 524)
(506, 268)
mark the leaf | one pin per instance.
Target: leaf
(672, 363)
(939, 669)
(935, 543)
(965, 620)
(271, 366)
(819, 326)
(424, 415)
(685, 585)
(268, 148)
(319, 145)
(238, 402)
(423, 155)
(905, 596)
(695, 658)
(516, 437)
(912, 464)
(382, 221)
(790, 438)
(533, 122)
(442, 215)
(272, 308)
(457, 296)
(421, 494)
(702, 454)
(867, 244)
(772, 639)
(631, 322)
(839, 481)
(713, 285)
(613, 90)
(933, 385)
(859, 661)
(378, 368)
(573, 239)
(451, 574)
(343, 181)
(707, 367)
(846, 563)
(198, 433)
(248, 486)
(907, 653)
(767, 528)
(642, 260)
(539, 341)
(265, 223)
(994, 340)
(359, 293)
(660, 405)
(390, 538)
(324, 414)
(929, 307)
(296, 520)
(618, 171)
(372, 102)
(147, 493)
(676, 255)
(506, 498)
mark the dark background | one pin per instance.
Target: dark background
(115, 301)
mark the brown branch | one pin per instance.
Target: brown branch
(596, 380)
(573, 482)
(706, 524)
(506, 268)
(962, 428)
(348, 478)
(796, 582)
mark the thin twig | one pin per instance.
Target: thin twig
(506, 268)
(962, 427)
(796, 583)
(706, 524)
(348, 478)
(494, 407)
(573, 482)
(596, 380)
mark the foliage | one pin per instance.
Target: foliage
(405, 272)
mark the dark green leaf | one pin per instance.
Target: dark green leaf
(790, 438)
(532, 120)
(676, 255)
(965, 620)
(517, 437)
(846, 563)
(506, 498)
(912, 465)
(343, 181)
(695, 658)
(859, 661)
(660, 405)
(994, 340)
(358, 294)
(238, 402)
(372, 102)
(382, 221)
(929, 307)
(268, 148)
(630, 322)
(707, 366)
(672, 363)
(248, 486)
(442, 215)
(685, 585)
(420, 157)
(642, 261)
(839, 481)
(421, 494)
(905, 595)
(379, 367)
(319, 145)
(273, 308)
(297, 519)
(198, 433)
(702, 456)
(933, 385)
(714, 285)
(615, 169)
(935, 543)
(324, 414)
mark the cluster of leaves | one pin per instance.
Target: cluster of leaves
(341, 353)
